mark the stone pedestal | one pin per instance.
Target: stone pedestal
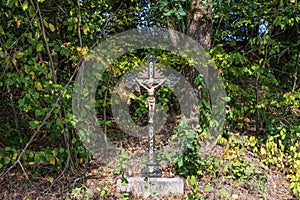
(139, 186)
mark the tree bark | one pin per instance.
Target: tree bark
(199, 27)
(200, 23)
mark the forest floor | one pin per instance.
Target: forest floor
(102, 182)
(95, 180)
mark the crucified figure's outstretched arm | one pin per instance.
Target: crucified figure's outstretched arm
(141, 84)
(160, 83)
(150, 87)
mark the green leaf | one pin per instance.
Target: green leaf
(39, 47)
(207, 187)
(65, 51)
(7, 148)
(223, 192)
(227, 99)
(50, 179)
(6, 160)
(191, 180)
(181, 12)
(38, 113)
(61, 150)
(33, 124)
(1, 52)
(169, 13)
(73, 140)
(37, 158)
(51, 27)
(31, 155)
(90, 193)
(21, 102)
(31, 11)
(19, 54)
(25, 5)
(38, 86)
(180, 162)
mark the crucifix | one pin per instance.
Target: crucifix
(150, 79)
(150, 102)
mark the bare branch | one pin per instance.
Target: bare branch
(79, 23)
(14, 111)
(42, 27)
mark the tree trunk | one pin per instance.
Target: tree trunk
(199, 25)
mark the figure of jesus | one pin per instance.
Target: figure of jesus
(150, 102)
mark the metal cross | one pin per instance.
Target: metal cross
(150, 79)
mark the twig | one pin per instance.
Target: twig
(25, 173)
(42, 27)
(59, 176)
(217, 30)
(14, 111)
(296, 74)
(67, 140)
(104, 112)
(259, 121)
(79, 24)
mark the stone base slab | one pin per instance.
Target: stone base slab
(139, 186)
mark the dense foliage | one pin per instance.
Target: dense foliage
(255, 45)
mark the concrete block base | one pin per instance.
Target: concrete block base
(151, 187)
